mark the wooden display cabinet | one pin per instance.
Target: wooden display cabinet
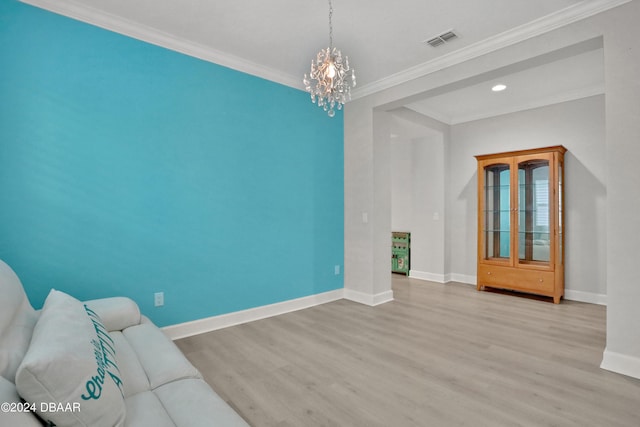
(520, 221)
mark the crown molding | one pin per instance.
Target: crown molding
(80, 12)
(156, 37)
(523, 32)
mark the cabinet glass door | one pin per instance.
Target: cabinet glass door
(497, 212)
(534, 212)
(560, 255)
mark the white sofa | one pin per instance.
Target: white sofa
(99, 363)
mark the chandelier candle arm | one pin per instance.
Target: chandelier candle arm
(330, 79)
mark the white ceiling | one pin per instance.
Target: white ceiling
(277, 39)
(565, 79)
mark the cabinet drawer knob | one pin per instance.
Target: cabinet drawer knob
(488, 272)
(541, 280)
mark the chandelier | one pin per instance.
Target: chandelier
(331, 78)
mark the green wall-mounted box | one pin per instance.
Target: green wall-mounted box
(400, 252)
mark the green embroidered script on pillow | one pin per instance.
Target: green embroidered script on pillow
(105, 353)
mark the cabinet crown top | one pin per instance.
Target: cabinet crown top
(556, 148)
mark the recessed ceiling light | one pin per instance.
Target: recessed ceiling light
(499, 88)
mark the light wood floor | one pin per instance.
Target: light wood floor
(439, 355)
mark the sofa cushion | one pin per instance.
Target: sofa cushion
(134, 376)
(161, 359)
(145, 409)
(71, 362)
(190, 402)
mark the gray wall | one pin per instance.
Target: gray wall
(367, 171)
(418, 201)
(579, 126)
(622, 69)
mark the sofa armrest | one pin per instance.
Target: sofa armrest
(117, 313)
(14, 412)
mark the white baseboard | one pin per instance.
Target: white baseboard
(621, 363)
(442, 278)
(569, 294)
(368, 299)
(462, 278)
(582, 296)
(209, 324)
(423, 275)
(200, 326)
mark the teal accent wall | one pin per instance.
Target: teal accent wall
(129, 169)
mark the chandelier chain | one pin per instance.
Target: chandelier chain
(330, 25)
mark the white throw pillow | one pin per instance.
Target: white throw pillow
(70, 373)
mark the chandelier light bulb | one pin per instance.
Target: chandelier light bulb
(331, 70)
(331, 79)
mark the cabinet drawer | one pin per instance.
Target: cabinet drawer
(515, 278)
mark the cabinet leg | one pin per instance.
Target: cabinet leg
(479, 287)
(556, 299)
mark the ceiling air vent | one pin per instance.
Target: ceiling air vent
(441, 38)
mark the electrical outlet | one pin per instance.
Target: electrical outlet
(158, 299)
(336, 270)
